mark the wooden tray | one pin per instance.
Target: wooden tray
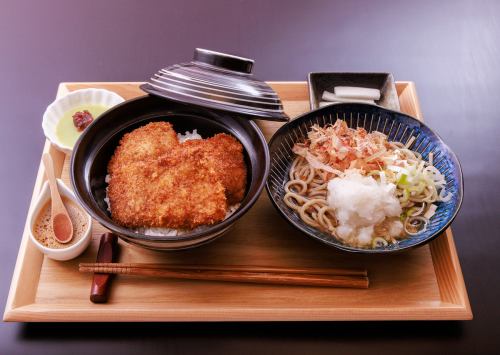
(425, 283)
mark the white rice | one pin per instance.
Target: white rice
(188, 136)
(171, 232)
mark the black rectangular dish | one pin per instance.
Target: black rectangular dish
(326, 81)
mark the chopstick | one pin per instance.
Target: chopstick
(351, 278)
(244, 268)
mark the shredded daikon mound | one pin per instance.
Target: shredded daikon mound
(364, 208)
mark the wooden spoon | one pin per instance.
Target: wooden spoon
(61, 223)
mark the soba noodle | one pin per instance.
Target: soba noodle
(332, 151)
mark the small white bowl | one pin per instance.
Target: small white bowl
(56, 110)
(71, 251)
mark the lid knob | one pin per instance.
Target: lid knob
(223, 60)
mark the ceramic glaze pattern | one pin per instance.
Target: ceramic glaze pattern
(218, 81)
(399, 127)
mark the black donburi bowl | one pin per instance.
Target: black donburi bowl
(97, 144)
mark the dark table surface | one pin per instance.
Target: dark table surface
(451, 49)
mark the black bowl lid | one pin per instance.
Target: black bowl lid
(219, 81)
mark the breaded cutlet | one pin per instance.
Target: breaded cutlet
(176, 191)
(143, 144)
(191, 193)
(224, 154)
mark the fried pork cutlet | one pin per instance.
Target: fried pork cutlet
(192, 195)
(143, 144)
(223, 154)
(176, 191)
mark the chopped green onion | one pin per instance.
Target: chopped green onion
(403, 180)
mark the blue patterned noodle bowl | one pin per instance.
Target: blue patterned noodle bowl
(399, 128)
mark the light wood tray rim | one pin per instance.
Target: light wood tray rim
(22, 306)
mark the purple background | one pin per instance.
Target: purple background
(449, 48)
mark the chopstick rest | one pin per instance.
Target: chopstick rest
(101, 282)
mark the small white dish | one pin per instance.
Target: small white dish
(56, 110)
(71, 251)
